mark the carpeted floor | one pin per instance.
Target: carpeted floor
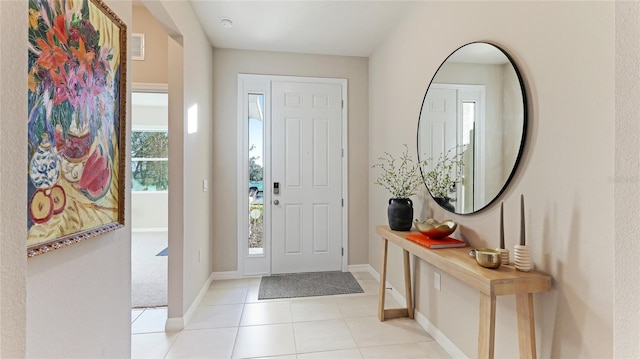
(149, 270)
(308, 285)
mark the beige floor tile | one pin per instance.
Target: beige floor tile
(334, 354)
(204, 343)
(252, 294)
(323, 336)
(429, 350)
(135, 313)
(264, 341)
(304, 310)
(216, 316)
(354, 307)
(152, 345)
(150, 321)
(266, 313)
(434, 350)
(370, 286)
(224, 296)
(330, 327)
(369, 331)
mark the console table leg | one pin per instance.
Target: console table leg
(526, 326)
(407, 284)
(487, 327)
(383, 280)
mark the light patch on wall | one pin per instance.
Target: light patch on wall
(192, 119)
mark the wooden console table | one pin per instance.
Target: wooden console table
(490, 282)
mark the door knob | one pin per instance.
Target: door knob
(276, 202)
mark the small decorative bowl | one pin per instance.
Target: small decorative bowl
(434, 229)
(488, 258)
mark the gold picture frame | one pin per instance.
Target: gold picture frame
(76, 122)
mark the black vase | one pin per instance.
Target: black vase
(444, 203)
(400, 214)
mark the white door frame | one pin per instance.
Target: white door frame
(262, 84)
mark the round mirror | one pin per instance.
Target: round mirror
(472, 127)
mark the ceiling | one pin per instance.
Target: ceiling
(347, 28)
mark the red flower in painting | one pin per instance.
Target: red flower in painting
(84, 59)
(71, 79)
(52, 57)
(60, 28)
(74, 34)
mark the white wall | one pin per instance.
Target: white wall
(227, 65)
(566, 53)
(149, 211)
(78, 297)
(190, 155)
(153, 69)
(627, 179)
(149, 117)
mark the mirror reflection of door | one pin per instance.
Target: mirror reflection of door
(454, 116)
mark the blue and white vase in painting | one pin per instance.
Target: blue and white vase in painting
(44, 168)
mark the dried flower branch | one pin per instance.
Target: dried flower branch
(399, 176)
(442, 178)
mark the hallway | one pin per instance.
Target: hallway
(231, 323)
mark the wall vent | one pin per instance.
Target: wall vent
(137, 46)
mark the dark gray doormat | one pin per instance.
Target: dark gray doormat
(308, 285)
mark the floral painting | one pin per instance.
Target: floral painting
(76, 109)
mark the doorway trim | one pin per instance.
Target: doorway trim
(263, 85)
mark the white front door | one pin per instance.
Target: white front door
(306, 164)
(440, 131)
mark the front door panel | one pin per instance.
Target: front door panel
(307, 162)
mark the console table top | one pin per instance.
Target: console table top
(456, 262)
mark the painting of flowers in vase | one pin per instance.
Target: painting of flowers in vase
(76, 122)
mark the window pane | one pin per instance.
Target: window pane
(149, 175)
(466, 193)
(256, 174)
(149, 144)
(149, 164)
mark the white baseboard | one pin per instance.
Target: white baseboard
(226, 275)
(436, 334)
(355, 268)
(388, 285)
(177, 324)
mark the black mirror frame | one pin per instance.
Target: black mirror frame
(525, 125)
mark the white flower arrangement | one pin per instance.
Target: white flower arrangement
(441, 179)
(401, 176)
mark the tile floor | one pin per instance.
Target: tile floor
(232, 323)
